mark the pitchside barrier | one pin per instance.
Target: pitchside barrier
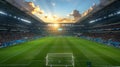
(60, 59)
(15, 42)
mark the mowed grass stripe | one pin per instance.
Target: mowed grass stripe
(67, 48)
(107, 54)
(91, 55)
(61, 46)
(10, 51)
(58, 46)
(33, 53)
(110, 49)
(26, 52)
(39, 59)
(80, 58)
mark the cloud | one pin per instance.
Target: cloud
(56, 19)
(46, 17)
(61, 20)
(35, 9)
(75, 14)
(31, 4)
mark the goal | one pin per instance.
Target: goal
(60, 59)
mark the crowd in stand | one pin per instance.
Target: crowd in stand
(11, 38)
(111, 38)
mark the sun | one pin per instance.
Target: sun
(56, 25)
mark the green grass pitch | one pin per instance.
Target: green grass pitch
(33, 53)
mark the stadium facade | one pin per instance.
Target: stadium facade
(95, 37)
(103, 23)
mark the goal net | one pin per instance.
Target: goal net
(60, 59)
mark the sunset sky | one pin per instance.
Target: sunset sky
(58, 11)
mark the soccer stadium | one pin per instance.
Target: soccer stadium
(59, 33)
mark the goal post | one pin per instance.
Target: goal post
(60, 59)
